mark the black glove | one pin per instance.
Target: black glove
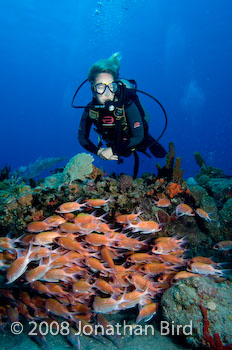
(121, 149)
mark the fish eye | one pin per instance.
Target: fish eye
(155, 248)
(116, 244)
(174, 280)
(129, 277)
(143, 268)
(216, 246)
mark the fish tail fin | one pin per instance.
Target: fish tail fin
(226, 273)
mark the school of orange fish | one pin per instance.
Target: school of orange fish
(75, 265)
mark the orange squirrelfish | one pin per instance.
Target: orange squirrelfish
(54, 220)
(95, 265)
(104, 228)
(135, 297)
(105, 287)
(60, 260)
(223, 245)
(165, 245)
(124, 218)
(145, 227)
(69, 216)
(40, 287)
(89, 227)
(105, 305)
(55, 289)
(81, 286)
(84, 218)
(69, 207)
(56, 308)
(97, 203)
(119, 279)
(155, 268)
(37, 226)
(56, 275)
(107, 256)
(46, 237)
(75, 256)
(166, 277)
(203, 214)
(138, 280)
(9, 243)
(38, 272)
(181, 275)
(122, 241)
(97, 239)
(80, 308)
(147, 312)
(172, 259)
(69, 243)
(23, 310)
(19, 266)
(202, 259)
(41, 252)
(70, 227)
(184, 209)
(163, 203)
(204, 269)
(140, 258)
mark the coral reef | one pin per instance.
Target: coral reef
(206, 202)
(95, 174)
(207, 305)
(19, 201)
(138, 215)
(212, 190)
(206, 170)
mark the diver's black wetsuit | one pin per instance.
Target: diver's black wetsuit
(124, 136)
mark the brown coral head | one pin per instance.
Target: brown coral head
(125, 182)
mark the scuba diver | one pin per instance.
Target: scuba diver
(117, 114)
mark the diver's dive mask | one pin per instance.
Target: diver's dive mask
(101, 87)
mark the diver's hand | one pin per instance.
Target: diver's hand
(107, 154)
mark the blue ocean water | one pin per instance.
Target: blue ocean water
(179, 51)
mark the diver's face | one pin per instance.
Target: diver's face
(104, 78)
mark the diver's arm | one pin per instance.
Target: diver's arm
(135, 123)
(83, 133)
